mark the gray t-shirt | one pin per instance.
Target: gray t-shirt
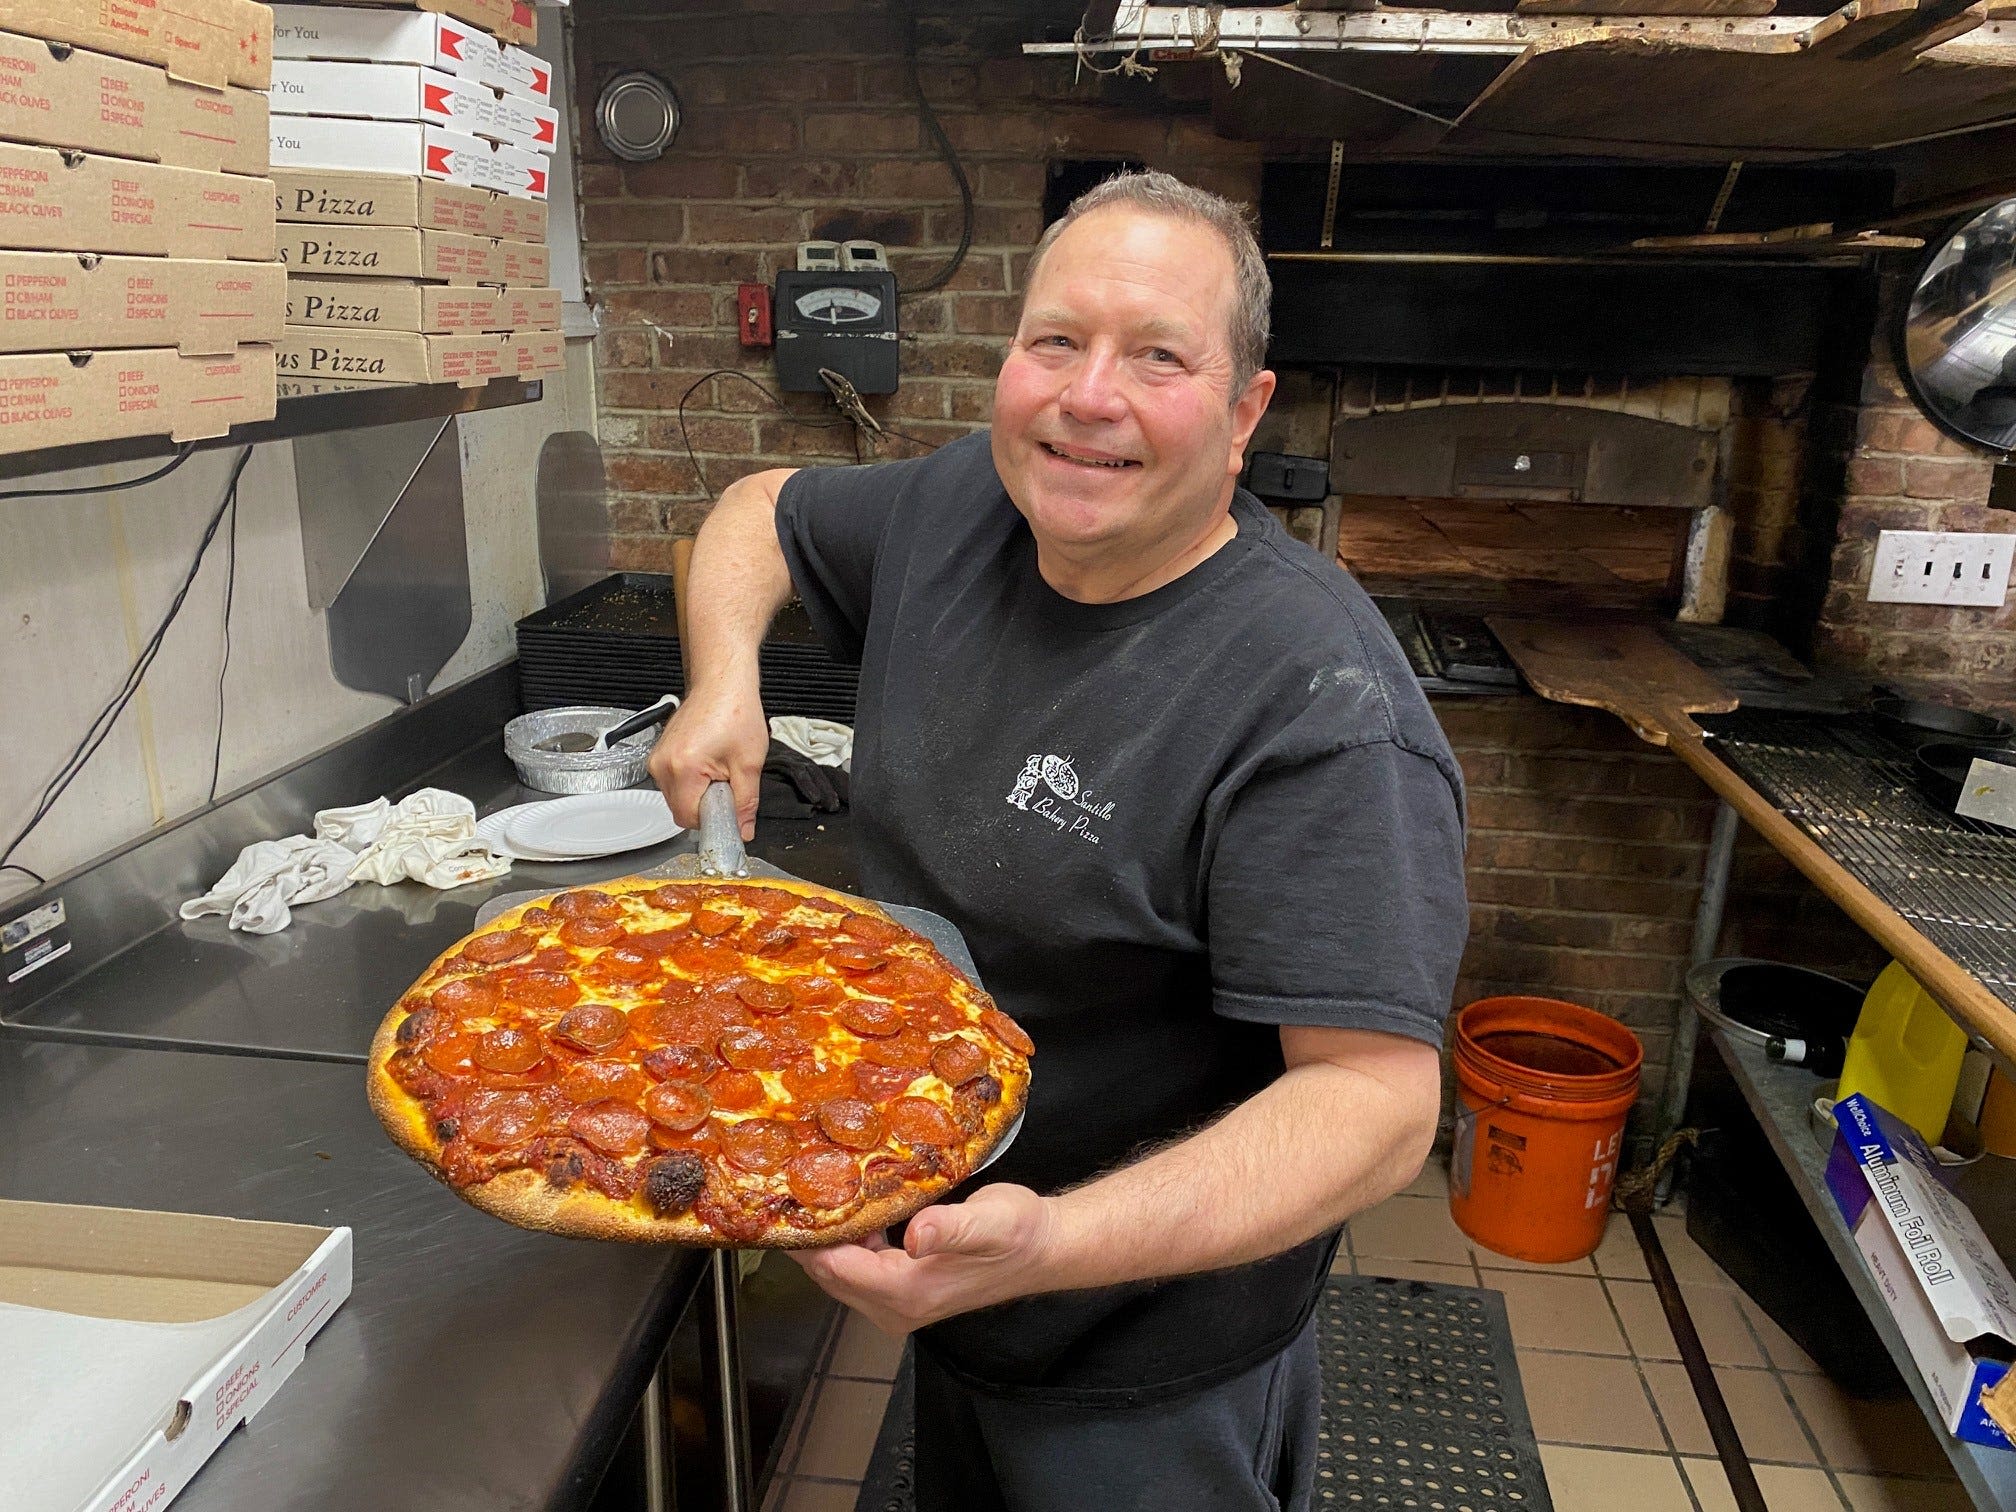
(1166, 826)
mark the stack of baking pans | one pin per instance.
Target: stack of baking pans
(617, 642)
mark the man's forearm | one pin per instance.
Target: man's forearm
(737, 583)
(1321, 1143)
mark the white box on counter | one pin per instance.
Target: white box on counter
(80, 301)
(410, 148)
(133, 1343)
(56, 95)
(361, 34)
(1948, 1291)
(410, 92)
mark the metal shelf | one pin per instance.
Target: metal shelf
(302, 415)
(1780, 1097)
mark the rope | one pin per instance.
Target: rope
(1131, 65)
(1635, 1190)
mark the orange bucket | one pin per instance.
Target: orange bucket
(1542, 1092)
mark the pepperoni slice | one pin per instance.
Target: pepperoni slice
(625, 963)
(762, 996)
(908, 1048)
(450, 1054)
(857, 960)
(678, 1023)
(849, 1121)
(540, 991)
(422, 1024)
(670, 899)
(823, 1178)
(958, 1060)
(594, 1081)
(874, 931)
(916, 1121)
(680, 1063)
(467, 997)
(736, 1091)
(509, 1050)
(497, 1120)
(810, 1082)
(816, 991)
(713, 921)
(869, 1017)
(614, 1128)
(586, 933)
(657, 942)
(912, 979)
(505, 945)
(678, 1106)
(775, 942)
(880, 1083)
(761, 1145)
(592, 1026)
(1006, 1030)
(588, 903)
(704, 958)
(748, 1049)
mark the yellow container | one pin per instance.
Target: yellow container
(1905, 1053)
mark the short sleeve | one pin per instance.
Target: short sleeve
(1335, 894)
(831, 522)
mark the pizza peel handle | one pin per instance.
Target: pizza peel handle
(721, 852)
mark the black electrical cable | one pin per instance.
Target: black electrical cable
(26, 871)
(224, 663)
(775, 399)
(107, 717)
(908, 12)
(181, 456)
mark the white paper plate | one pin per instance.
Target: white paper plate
(589, 825)
(491, 829)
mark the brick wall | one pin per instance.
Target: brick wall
(1588, 846)
(1901, 472)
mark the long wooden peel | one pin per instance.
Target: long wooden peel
(1623, 666)
(1630, 670)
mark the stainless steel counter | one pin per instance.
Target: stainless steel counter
(474, 1365)
(318, 989)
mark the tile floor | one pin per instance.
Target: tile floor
(1616, 1419)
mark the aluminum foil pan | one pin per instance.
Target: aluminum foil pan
(621, 766)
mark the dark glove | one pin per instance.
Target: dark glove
(797, 787)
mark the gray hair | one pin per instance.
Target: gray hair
(1165, 194)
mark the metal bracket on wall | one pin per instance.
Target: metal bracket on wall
(386, 551)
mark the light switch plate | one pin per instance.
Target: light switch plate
(1962, 570)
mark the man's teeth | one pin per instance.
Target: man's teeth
(1058, 451)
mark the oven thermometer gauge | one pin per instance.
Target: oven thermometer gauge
(839, 306)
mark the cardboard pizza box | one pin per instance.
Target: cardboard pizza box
(61, 201)
(63, 398)
(412, 92)
(55, 95)
(72, 301)
(394, 304)
(529, 309)
(212, 42)
(391, 252)
(133, 1343)
(408, 357)
(338, 198)
(362, 34)
(406, 147)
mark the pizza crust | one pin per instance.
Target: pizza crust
(525, 1198)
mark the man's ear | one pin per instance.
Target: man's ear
(1246, 412)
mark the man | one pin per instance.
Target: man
(1168, 772)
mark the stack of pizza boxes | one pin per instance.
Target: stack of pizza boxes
(411, 149)
(139, 290)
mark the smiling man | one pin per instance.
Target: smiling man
(1168, 772)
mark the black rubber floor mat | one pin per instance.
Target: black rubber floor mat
(1422, 1409)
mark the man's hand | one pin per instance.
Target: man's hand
(715, 736)
(956, 1257)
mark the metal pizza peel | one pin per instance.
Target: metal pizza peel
(721, 853)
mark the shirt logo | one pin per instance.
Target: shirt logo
(1068, 805)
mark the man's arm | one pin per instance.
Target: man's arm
(737, 583)
(1347, 1124)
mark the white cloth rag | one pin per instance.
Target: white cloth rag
(271, 875)
(356, 826)
(428, 836)
(827, 743)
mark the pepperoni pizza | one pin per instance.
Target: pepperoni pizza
(762, 1064)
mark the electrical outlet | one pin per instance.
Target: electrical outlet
(1957, 569)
